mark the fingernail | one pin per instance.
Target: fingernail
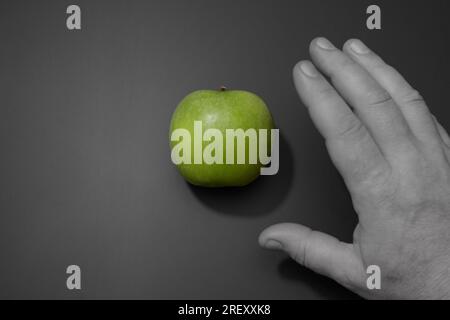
(308, 69)
(325, 44)
(273, 245)
(358, 47)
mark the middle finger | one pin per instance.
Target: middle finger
(371, 102)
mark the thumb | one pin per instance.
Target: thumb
(317, 251)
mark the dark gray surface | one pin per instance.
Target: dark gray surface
(85, 171)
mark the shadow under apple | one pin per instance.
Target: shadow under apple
(260, 197)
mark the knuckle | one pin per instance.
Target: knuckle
(413, 97)
(341, 65)
(373, 184)
(302, 251)
(378, 97)
(351, 126)
(326, 93)
(348, 63)
(383, 68)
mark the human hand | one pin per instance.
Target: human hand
(394, 158)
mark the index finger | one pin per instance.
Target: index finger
(350, 145)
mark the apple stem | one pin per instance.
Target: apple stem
(223, 88)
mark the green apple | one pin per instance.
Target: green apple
(221, 109)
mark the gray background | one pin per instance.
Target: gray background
(85, 170)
